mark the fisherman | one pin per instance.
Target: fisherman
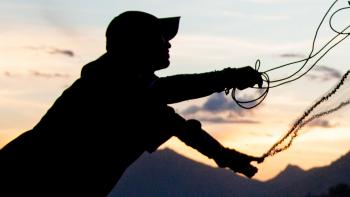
(114, 112)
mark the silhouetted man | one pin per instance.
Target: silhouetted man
(116, 111)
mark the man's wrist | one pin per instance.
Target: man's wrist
(228, 78)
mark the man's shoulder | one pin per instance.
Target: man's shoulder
(91, 67)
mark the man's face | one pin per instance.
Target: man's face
(156, 52)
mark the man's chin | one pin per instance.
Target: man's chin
(162, 65)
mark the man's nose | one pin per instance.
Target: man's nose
(168, 45)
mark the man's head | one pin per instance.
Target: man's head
(142, 37)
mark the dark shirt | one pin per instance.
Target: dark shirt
(101, 124)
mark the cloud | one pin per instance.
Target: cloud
(52, 50)
(321, 123)
(330, 71)
(324, 73)
(191, 110)
(35, 73)
(254, 133)
(219, 103)
(66, 52)
(48, 75)
(221, 109)
(218, 120)
(216, 103)
(292, 55)
(10, 74)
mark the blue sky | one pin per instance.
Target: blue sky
(45, 43)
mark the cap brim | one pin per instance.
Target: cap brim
(169, 27)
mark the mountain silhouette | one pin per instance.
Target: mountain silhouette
(314, 181)
(166, 173)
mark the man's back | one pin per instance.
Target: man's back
(86, 140)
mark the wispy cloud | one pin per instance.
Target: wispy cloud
(10, 74)
(330, 71)
(48, 75)
(221, 120)
(321, 123)
(292, 55)
(52, 50)
(66, 52)
(36, 74)
(324, 73)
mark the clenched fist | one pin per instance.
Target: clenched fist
(242, 78)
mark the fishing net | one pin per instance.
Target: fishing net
(334, 100)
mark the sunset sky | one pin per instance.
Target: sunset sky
(45, 43)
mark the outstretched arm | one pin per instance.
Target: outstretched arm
(178, 88)
(191, 133)
(197, 138)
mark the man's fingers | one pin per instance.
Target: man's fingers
(257, 159)
(260, 81)
(247, 77)
(256, 78)
(260, 159)
(249, 171)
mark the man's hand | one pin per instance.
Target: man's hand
(242, 78)
(236, 161)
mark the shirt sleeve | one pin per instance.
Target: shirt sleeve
(177, 88)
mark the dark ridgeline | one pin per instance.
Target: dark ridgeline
(175, 175)
(114, 112)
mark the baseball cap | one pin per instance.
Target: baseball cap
(138, 24)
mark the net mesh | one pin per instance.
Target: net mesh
(335, 99)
